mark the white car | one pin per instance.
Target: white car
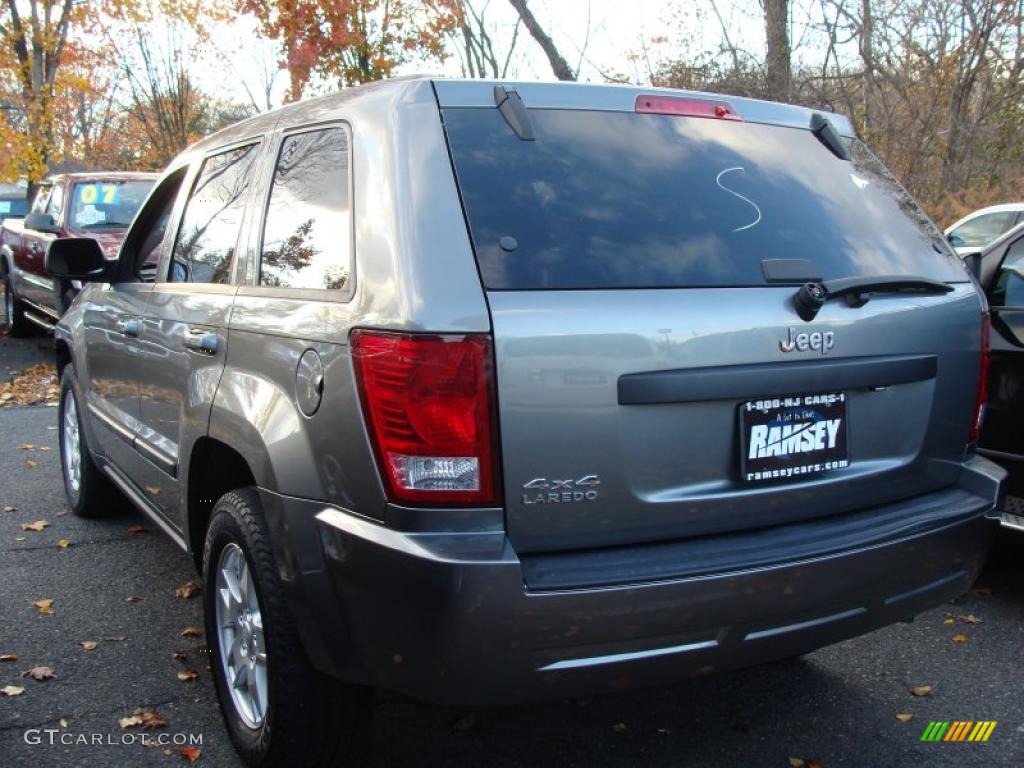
(976, 230)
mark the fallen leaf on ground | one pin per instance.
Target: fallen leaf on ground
(39, 673)
(9, 508)
(970, 619)
(44, 606)
(190, 753)
(179, 656)
(62, 513)
(922, 690)
(191, 632)
(797, 762)
(813, 763)
(31, 386)
(136, 528)
(949, 620)
(63, 723)
(187, 675)
(133, 599)
(63, 543)
(664, 732)
(904, 717)
(983, 591)
(11, 690)
(38, 525)
(619, 727)
(27, 447)
(89, 645)
(960, 637)
(21, 538)
(8, 657)
(147, 718)
(114, 638)
(31, 463)
(153, 490)
(189, 588)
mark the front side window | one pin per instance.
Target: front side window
(142, 245)
(99, 205)
(56, 205)
(306, 235)
(1008, 290)
(42, 198)
(209, 229)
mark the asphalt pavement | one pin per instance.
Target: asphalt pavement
(837, 706)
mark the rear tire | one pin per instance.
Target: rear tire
(278, 710)
(88, 491)
(14, 311)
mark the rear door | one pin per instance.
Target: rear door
(37, 286)
(654, 378)
(183, 339)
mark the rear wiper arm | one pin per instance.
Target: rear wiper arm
(812, 296)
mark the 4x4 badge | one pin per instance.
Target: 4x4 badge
(541, 490)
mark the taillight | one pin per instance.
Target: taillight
(430, 407)
(982, 396)
(685, 107)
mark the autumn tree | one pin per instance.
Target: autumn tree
(34, 46)
(353, 41)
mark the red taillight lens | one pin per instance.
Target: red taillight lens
(675, 105)
(430, 406)
(982, 397)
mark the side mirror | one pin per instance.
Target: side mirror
(42, 222)
(79, 258)
(972, 261)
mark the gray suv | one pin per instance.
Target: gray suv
(486, 392)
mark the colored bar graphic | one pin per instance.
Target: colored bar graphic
(958, 730)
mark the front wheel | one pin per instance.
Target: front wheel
(277, 708)
(14, 311)
(88, 491)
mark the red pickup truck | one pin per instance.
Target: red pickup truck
(99, 205)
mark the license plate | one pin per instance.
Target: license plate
(791, 437)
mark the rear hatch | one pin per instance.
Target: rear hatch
(655, 380)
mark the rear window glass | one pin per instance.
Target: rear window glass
(620, 200)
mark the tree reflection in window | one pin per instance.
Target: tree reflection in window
(306, 235)
(209, 227)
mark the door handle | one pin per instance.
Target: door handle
(202, 341)
(35, 247)
(129, 328)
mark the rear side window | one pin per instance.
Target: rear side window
(307, 235)
(621, 200)
(982, 230)
(205, 246)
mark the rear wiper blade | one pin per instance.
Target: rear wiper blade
(812, 296)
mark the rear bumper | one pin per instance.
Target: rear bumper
(448, 617)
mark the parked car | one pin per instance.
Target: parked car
(1001, 272)
(978, 229)
(12, 207)
(100, 205)
(486, 393)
